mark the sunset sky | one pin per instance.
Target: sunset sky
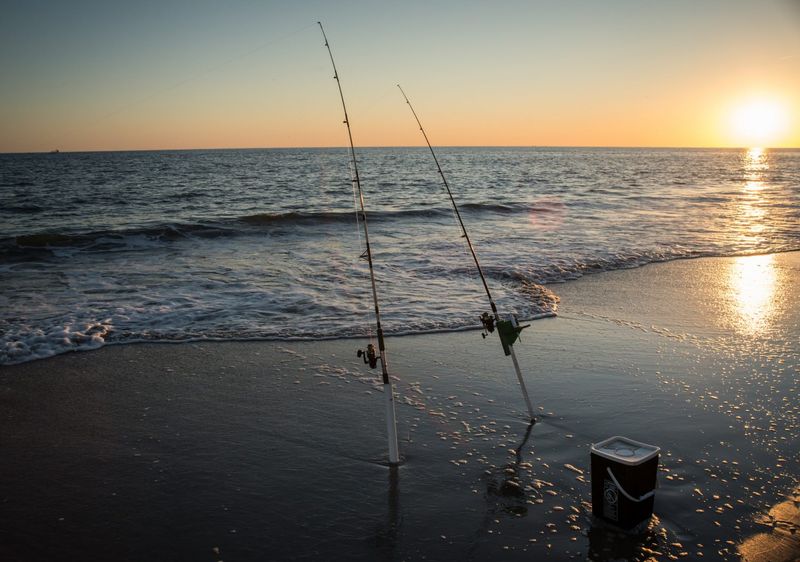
(167, 74)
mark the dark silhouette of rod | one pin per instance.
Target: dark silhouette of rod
(509, 331)
(455, 207)
(391, 423)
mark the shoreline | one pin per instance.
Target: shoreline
(550, 286)
(276, 448)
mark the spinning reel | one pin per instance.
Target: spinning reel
(370, 357)
(509, 330)
(488, 324)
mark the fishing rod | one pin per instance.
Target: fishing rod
(508, 330)
(369, 355)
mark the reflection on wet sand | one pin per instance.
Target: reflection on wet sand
(510, 487)
(782, 542)
(607, 543)
(386, 537)
(752, 281)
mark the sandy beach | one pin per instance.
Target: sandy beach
(276, 450)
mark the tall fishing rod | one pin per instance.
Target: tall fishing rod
(369, 354)
(508, 330)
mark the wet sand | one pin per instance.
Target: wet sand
(276, 450)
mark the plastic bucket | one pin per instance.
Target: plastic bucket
(623, 480)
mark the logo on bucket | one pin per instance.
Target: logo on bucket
(610, 499)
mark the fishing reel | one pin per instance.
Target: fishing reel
(488, 324)
(370, 357)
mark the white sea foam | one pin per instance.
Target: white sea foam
(38, 343)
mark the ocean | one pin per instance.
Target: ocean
(117, 247)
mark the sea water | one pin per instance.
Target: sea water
(118, 247)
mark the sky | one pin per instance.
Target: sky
(175, 74)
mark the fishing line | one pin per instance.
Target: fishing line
(471, 271)
(369, 317)
(355, 206)
(369, 354)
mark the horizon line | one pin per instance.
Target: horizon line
(664, 147)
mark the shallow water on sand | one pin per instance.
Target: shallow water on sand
(730, 351)
(250, 450)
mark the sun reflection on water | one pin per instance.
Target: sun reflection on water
(755, 163)
(752, 219)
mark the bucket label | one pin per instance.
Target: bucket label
(610, 501)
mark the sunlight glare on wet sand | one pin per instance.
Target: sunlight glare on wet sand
(752, 281)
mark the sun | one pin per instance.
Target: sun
(758, 122)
